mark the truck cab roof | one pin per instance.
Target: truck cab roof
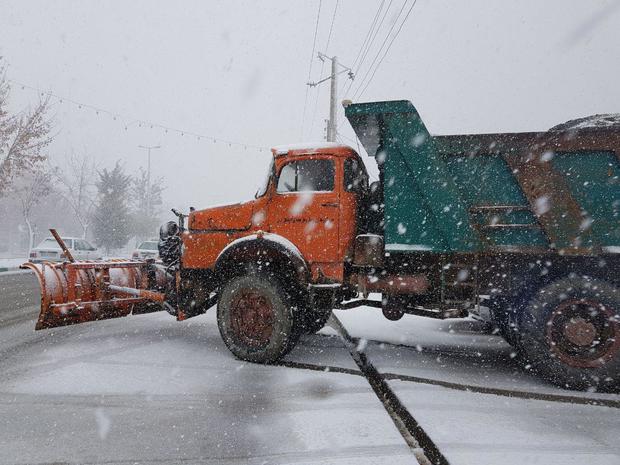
(312, 147)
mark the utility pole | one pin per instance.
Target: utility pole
(148, 176)
(332, 128)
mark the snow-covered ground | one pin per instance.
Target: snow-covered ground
(147, 389)
(477, 428)
(462, 351)
(482, 429)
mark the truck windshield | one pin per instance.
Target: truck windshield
(307, 176)
(263, 188)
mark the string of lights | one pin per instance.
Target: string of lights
(129, 122)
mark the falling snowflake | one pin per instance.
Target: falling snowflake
(103, 423)
(542, 205)
(303, 200)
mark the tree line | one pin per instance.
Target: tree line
(107, 204)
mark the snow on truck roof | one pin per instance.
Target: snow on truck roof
(308, 146)
(603, 121)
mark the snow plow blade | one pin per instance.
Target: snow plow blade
(77, 292)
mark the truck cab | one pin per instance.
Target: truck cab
(309, 203)
(279, 264)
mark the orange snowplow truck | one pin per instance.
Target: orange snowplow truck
(522, 230)
(276, 266)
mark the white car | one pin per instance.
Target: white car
(49, 250)
(147, 249)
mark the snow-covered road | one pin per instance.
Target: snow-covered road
(147, 389)
(486, 422)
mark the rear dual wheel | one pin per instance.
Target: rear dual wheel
(570, 333)
(257, 319)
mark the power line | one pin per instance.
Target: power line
(331, 27)
(132, 121)
(329, 36)
(368, 34)
(388, 48)
(370, 43)
(387, 36)
(341, 135)
(316, 29)
(374, 36)
(364, 43)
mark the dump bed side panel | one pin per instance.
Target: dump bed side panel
(526, 192)
(423, 207)
(593, 178)
(497, 207)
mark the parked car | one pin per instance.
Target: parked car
(147, 249)
(49, 250)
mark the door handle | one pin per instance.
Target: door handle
(330, 204)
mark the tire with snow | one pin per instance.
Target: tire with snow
(570, 333)
(256, 319)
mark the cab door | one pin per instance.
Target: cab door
(305, 207)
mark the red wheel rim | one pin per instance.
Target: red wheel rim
(584, 333)
(252, 318)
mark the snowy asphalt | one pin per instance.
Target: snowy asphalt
(19, 297)
(150, 390)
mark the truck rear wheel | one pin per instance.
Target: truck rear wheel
(570, 333)
(256, 319)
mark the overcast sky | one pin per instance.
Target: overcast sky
(237, 70)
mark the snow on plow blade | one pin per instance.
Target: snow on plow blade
(77, 292)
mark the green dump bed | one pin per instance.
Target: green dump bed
(555, 191)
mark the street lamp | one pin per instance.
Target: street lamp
(148, 176)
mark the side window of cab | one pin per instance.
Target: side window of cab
(307, 176)
(355, 177)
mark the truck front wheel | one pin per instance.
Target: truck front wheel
(256, 319)
(570, 332)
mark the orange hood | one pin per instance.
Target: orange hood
(237, 216)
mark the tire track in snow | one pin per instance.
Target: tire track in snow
(567, 399)
(424, 449)
(512, 393)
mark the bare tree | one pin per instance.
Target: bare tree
(29, 191)
(77, 186)
(23, 136)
